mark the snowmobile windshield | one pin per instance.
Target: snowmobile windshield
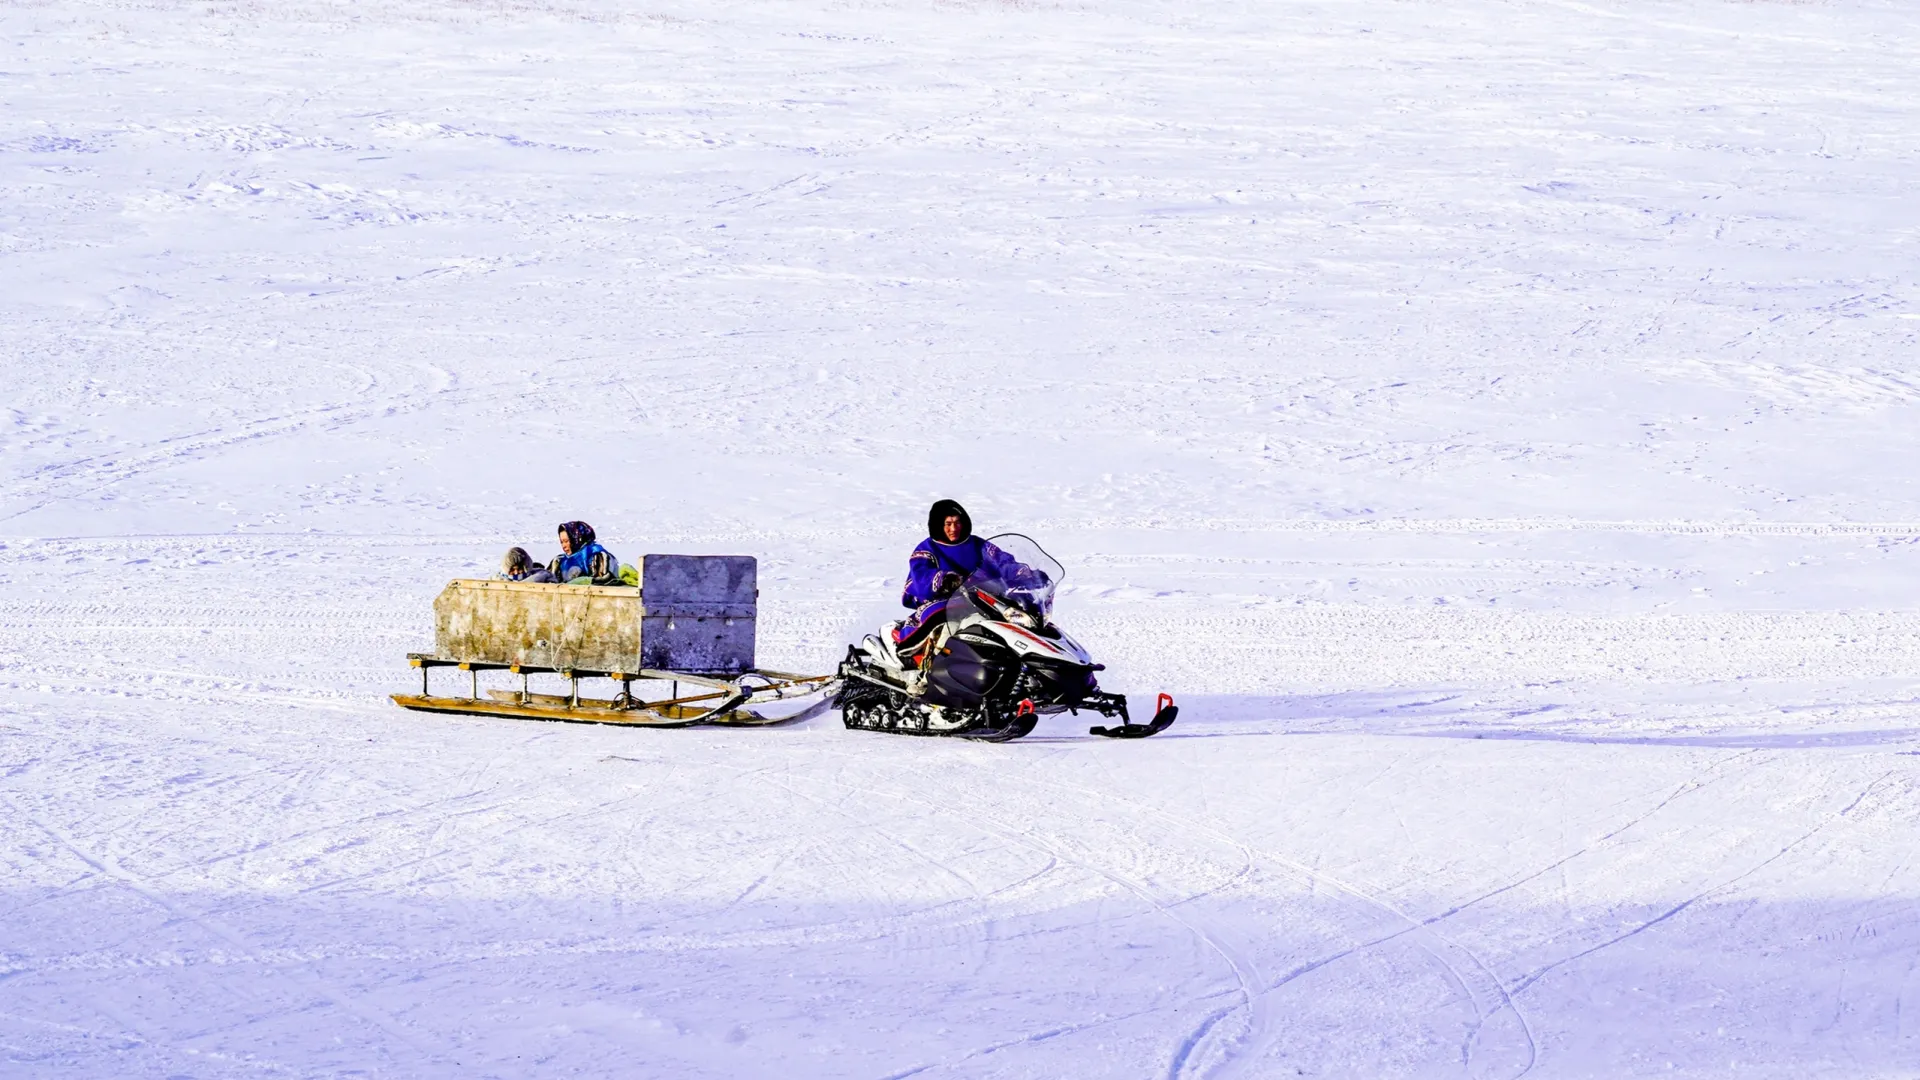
(1017, 577)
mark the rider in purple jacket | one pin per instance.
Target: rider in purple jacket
(948, 556)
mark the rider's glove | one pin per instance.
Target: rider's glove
(946, 583)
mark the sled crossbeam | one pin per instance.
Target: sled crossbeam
(713, 679)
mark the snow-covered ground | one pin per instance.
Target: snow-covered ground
(1495, 421)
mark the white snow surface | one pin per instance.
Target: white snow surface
(1495, 422)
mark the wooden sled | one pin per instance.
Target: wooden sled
(691, 621)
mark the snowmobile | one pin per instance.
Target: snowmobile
(993, 664)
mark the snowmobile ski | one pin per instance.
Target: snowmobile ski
(1163, 718)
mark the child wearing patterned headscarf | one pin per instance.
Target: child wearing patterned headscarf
(581, 556)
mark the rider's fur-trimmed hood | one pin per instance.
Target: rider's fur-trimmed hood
(937, 517)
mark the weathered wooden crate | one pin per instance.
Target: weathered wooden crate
(691, 613)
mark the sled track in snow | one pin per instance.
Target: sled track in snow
(328, 992)
(1261, 1023)
(1348, 646)
(88, 475)
(85, 472)
(1721, 886)
(1253, 990)
(1451, 639)
(1484, 526)
(1056, 855)
(1243, 973)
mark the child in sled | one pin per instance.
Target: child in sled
(582, 561)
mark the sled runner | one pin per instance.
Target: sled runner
(690, 624)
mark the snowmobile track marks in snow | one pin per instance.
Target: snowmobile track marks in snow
(323, 988)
